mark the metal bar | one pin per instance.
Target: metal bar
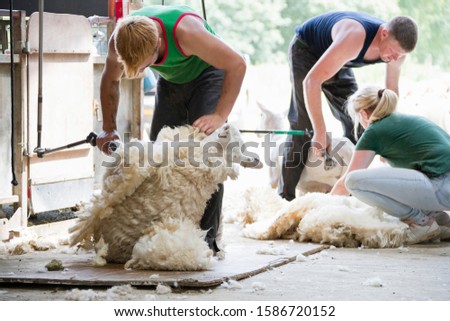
(5, 13)
(90, 139)
(51, 150)
(41, 35)
(13, 96)
(275, 132)
(99, 20)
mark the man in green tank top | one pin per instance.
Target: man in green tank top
(200, 77)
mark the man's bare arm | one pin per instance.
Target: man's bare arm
(195, 40)
(348, 39)
(393, 69)
(109, 97)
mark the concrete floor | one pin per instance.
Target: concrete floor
(414, 273)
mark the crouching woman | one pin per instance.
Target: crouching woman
(416, 186)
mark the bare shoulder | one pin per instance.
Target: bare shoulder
(113, 68)
(112, 56)
(193, 37)
(348, 29)
(111, 43)
(191, 24)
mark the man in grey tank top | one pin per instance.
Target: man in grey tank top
(321, 55)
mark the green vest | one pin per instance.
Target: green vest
(408, 141)
(174, 66)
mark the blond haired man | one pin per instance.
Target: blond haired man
(200, 77)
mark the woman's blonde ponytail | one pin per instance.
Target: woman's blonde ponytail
(380, 102)
(387, 103)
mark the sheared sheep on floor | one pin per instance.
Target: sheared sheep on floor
(323, 218)
(151, 204)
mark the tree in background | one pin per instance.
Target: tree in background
(251, 27)
(298, 11)
(262, 30)
(434, 27)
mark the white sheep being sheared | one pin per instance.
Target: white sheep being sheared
(151, 204)
(314, 178)
(323, 218)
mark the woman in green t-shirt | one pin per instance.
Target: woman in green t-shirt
(416, 186)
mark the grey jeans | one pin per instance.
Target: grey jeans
(404, 193)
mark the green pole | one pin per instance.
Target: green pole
(275, 132)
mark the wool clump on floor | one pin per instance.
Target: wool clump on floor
(116, 293)
(323, 218)
(29, 242)
(164, 251)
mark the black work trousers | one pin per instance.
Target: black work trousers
(182, 104)
(336, 90)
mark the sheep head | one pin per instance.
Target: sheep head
(227, 141)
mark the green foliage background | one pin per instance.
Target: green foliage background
(263, 29)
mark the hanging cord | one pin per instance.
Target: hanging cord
(204, 9)
(11, 47)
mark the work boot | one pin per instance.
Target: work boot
(443, 220)
(445, 232)
(421, 233)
